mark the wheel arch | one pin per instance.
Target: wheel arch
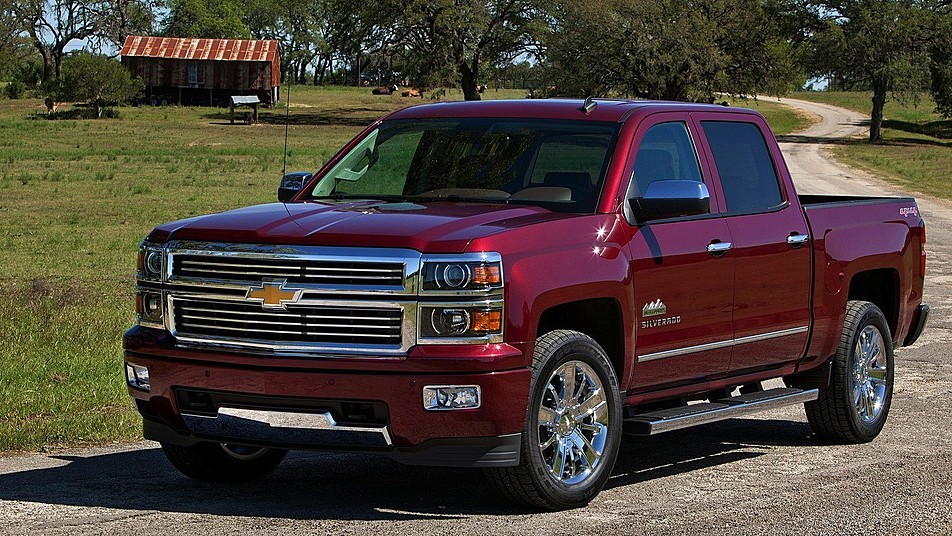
(599, 318)
(880, 287)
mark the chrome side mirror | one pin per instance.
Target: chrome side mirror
(671, 199)
(292, 184)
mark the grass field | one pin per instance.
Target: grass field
(77, 196)
(915, 151)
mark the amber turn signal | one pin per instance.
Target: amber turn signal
(487, 321)
(486, 274)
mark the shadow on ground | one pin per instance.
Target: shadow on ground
(312, 485)
(940, 130)
(346, 117)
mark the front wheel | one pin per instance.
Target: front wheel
(853, 408)
(573, 427)
(224, 462)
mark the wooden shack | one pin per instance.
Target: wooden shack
(202, 72)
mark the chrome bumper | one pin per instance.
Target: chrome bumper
(285, 427)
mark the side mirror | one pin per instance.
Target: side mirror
(671, 199)
(292, 184)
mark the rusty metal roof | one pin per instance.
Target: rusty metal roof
(185, 48)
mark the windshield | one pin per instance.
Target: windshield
(557, 164)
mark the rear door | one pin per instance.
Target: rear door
(770, 246)
(683, 292)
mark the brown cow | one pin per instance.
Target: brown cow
(50, 106)
(410, 92)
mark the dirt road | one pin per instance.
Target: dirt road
(744, 476)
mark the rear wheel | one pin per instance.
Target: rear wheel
(573, 428)
(224, 461)
(853, 408)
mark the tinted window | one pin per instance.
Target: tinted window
(665, 153)
(743, 162)
(560, 165)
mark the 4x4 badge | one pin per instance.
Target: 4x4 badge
(274, 294)
(654, 308)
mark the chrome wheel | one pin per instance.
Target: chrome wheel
(573, 422)
(870, 374)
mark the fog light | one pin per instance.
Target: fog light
(137, 377)
(444, 397)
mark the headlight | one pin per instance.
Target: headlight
(150, 309)
(442, 322)
(150, 263)
(469, 273)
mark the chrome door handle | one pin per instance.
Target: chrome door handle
(795, 240)
(718, 249)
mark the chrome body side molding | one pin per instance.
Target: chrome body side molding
(722, 344)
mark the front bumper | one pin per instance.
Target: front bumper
(194, 399)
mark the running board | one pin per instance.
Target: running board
(665, 420)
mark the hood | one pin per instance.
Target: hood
(427, 227)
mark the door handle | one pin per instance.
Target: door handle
(795, 240)
(718, 249)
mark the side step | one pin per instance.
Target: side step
(666, 420)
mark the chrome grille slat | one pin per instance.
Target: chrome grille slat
(382, 270)
(289, 267)
(252, 269)
(290, 315)
(271, 323)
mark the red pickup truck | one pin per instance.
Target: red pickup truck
(514, 285)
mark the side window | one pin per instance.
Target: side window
(665, 153)
(743, 162)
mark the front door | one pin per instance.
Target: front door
(683, 280)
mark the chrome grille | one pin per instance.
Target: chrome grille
(323, 325)
(296, 270)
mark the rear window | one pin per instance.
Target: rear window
(747, 173)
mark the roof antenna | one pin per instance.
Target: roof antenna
(588, 105)
(287, 122)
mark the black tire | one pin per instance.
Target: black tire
(837, 414)
(532, 482)
(222, 462)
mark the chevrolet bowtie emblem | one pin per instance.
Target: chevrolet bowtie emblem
(274, 294)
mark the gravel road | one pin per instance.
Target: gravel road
(744, 476)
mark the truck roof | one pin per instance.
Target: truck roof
(612, 110)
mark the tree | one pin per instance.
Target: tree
(465, 36)
(668, 49)
(879, 44)
(96, 80)
(127, 17)
(53, 24)
(941, 61)
(213, 19)
(298, 25)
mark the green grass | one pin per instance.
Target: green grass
(77, 196)
(915, 151)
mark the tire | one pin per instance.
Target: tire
(589, 423)
(222, 462)
(854, 407)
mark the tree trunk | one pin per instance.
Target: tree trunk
(876, 118)
(47, 55)
(469, 81)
